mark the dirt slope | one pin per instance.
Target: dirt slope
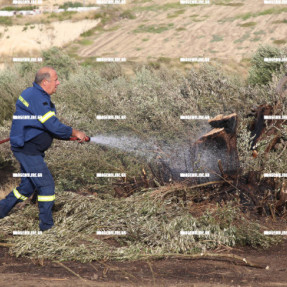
(172, 30)
(31, 40)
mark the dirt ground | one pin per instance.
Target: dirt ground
(159, 28)
(213, 31)
(169, 272)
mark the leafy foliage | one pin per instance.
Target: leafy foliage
(61, 62)
(261, 71)
(152, 228)
(153, 101)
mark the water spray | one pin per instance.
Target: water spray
(177, 157)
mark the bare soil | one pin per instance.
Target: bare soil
(213, 31)
(160, 28)
(169, 272)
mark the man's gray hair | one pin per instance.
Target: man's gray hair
(40, 76)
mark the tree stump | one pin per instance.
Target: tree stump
(216, 152)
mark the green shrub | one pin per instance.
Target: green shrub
(248, 24)
(70, 4)
(153, 28)
(16, 8)
(7, 21)
(12, 83)
(88, 33)
(127, 14)
(153, 99)
(261, 72)
(60, 61)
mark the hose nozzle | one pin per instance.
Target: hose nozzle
(87, 139)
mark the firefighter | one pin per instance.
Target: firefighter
(33, 128)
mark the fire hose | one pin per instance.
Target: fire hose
(3, 141)
(87, 139)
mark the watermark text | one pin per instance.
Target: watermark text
(27, 232)
(194, 117)
(111, 117)
(200, 60)
(195, 2)
(111, 174)
(111, 232)
(194, 232)
(194, 175)
(275, 2)
(111, 59)
(28, 60)
(275, 232)
(275, 175)
(27, 174)
(275, 117)
(21, 2)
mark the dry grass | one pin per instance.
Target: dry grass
(7, 188)
(152, 226)
(52, 17)
(5, 3)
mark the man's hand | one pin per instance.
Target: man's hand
(80, 135)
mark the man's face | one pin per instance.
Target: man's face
(50, 85)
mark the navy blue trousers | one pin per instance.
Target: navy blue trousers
(33, 164)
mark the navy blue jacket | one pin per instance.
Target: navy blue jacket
(35, 104)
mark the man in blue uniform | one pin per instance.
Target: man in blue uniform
(33, 128)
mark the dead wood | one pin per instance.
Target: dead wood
(214, 256)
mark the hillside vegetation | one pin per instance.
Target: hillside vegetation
(153, 99)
